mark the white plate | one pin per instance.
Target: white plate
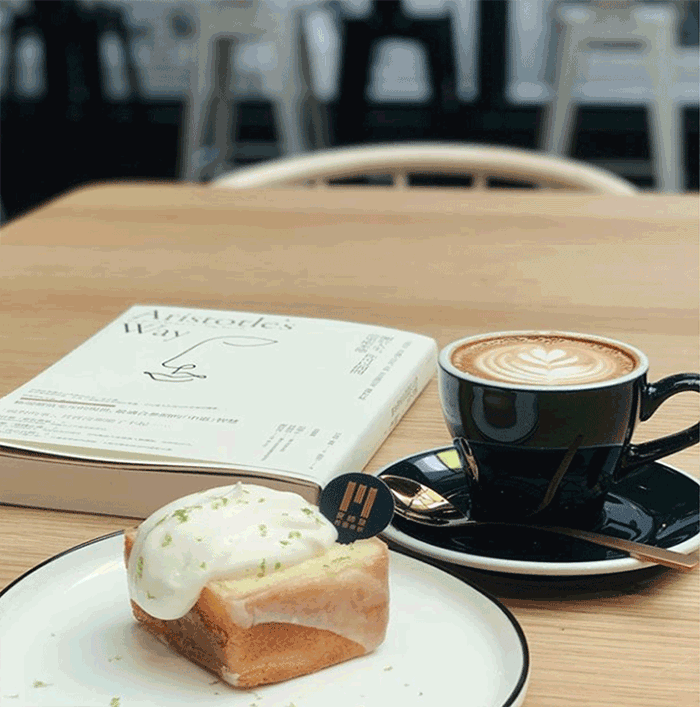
(66, 627)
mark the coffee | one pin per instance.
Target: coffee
(543, 420)
(541, 359)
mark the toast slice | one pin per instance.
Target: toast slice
(261, 630)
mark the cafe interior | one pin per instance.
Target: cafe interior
(178, 90)
(514, 177)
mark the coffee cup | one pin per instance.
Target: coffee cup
(543, 420)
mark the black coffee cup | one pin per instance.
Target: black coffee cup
(543, 420)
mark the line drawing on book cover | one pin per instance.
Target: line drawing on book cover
(201, 357)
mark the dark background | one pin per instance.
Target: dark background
(49, 145)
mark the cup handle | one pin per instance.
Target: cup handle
(653, 395)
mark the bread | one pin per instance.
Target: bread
(268, 627)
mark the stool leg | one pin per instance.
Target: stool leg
(292, 138)
(665, 128)
(559, 126)
(290, 100)
(666, 145)
(200, 100)
(319, 120)
(225, 110)
(192, 137)
(319, 124)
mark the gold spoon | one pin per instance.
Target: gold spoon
(419, 503)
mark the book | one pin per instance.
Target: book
(165, 401)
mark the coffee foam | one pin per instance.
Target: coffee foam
(555, 360)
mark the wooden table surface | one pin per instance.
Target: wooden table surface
(441, 262)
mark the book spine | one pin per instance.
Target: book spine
(380, 425)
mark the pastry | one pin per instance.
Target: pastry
(251, 584)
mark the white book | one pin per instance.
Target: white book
(166, 401)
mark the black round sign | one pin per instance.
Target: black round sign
(358, 505)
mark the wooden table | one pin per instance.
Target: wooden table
(442, 262)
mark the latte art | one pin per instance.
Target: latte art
(541, 366)
(541, 360)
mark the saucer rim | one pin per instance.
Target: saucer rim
(525, 567)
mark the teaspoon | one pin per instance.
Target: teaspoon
(420, 504)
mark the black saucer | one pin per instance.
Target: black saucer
(657, 505)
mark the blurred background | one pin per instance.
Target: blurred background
(187, 89)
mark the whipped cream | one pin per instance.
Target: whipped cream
(230, 532)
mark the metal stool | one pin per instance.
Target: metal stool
(361, 37)
(644, 33)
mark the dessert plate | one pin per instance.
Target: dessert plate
(68, 638)
(658, 505)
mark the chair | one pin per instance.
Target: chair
(634, 40)
(393, 40)
(483, 163)
(226, 29)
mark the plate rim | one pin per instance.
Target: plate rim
(524, 567)
(517, 693)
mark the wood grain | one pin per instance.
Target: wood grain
(440, 262)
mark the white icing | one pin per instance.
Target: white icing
(230, 532)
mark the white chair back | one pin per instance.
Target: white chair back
(483, 164)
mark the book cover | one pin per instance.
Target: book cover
(168, 400)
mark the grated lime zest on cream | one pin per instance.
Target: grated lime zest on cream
(211, 536)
